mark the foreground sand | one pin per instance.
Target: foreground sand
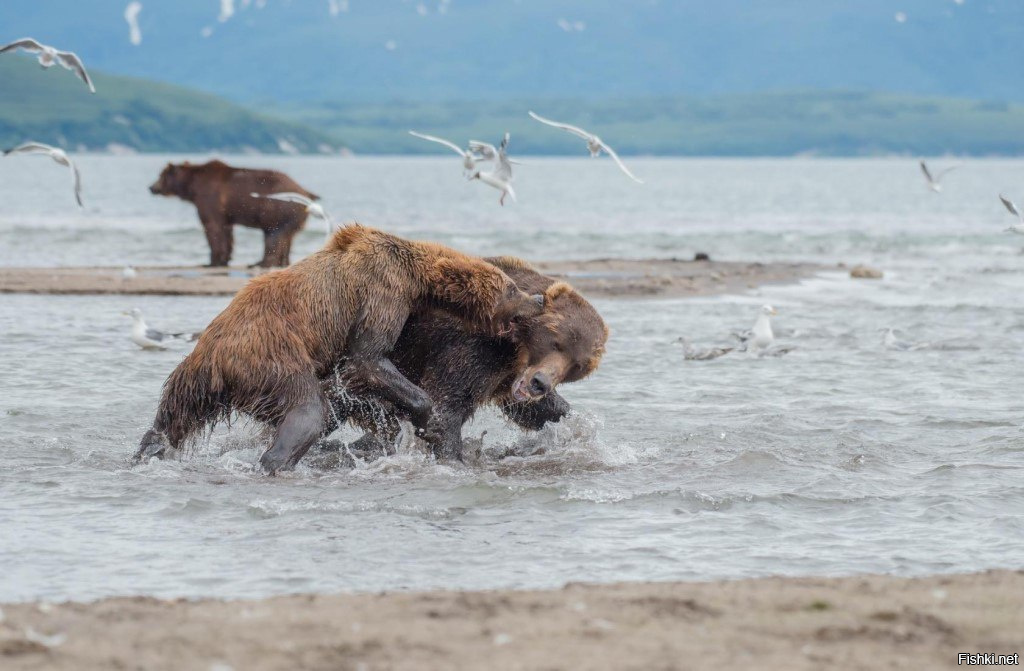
(871, 622)
(596, 277)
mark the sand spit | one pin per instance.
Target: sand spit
(669, 278)
(868, 622)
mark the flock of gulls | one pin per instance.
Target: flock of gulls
(759, 341)
(476, 152)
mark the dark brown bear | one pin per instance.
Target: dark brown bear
(223, 197)
(462, 371)
(266, 354)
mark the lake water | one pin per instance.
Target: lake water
(842, 457)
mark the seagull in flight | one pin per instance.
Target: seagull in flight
(313, 208)
(57, 155)
(49, 56)
(131, 15)
(469, 156)
(1012, 207)
(487, 151)
(595, 144)
(501, 177)
(148, 338)
(934, 182)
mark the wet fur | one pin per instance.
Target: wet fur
(338, 311)
(462, 371)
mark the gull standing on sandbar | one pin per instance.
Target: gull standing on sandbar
(595, 144)
(469, 158)
(57, 155)
(501, 177)
(49, 56)
(148, 338)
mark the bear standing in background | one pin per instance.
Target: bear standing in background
(267, 352)
(462, 370)
(223, 197)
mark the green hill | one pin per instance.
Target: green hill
(56, 108)
(761, 124)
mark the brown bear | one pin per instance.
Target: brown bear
(463, 370)
(266, 354)
(223, 196)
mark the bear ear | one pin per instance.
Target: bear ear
(557, 289)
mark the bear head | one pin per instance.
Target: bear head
(174, 180)
(564, 343)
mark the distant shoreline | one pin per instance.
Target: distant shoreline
(603, 278)
(767, 623)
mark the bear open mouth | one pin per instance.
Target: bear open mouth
(521, 391)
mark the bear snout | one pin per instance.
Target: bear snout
(540, 384)
(532, 386)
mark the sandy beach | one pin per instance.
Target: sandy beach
(867, 622)
(594, 277)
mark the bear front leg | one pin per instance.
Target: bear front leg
(447, 427)
(220, 237)
(533, 415)
(301, 426)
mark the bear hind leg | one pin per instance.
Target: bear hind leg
(277, 246)
(302, 425)
(153, 444)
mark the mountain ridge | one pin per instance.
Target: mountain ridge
(289, 51)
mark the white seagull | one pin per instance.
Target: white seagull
(691, 353)
(893, 342)
(57, 155)
(129, 272)
(487, 151)
(934, 182)
(313, 208)
(501, 177)
(1012, 207)
(761, 336)
(595, 144)
(148, 338)
(469, 158)
(49, 56)
(131, 15)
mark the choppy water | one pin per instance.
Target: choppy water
(842, 457)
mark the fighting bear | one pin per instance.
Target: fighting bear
(267, 352)
(223, 196)
(461, 371)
